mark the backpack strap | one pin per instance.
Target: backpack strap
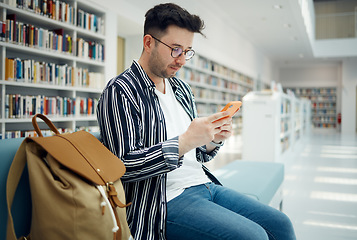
(46, 120)
(13, 178)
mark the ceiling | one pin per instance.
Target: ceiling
(275, 27)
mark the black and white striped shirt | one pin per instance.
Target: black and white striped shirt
(132, 126)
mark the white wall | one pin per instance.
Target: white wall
(225, 46)
(322, 75)
(233, 51)
(111, 38)
(133, 48)
(335, 47)
(349, 85)
(110, 46)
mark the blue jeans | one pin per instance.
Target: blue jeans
(211, 211)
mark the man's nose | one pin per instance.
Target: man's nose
(181, 59)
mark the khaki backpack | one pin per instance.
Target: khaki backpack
(75, 187)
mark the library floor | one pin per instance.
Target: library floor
(320, 188)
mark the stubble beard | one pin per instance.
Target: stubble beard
(158, 68)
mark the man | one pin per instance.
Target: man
(148, 118)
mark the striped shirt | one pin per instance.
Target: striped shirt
(132, 126)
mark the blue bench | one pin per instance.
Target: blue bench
(21, 207)
(261, 180)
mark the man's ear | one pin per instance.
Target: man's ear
(148, 43)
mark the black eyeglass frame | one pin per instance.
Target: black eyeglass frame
(187, 57)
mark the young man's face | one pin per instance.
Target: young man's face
(161, 63)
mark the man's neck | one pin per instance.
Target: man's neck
(161, 86)
(158, 81)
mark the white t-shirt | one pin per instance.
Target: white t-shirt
(177, 122)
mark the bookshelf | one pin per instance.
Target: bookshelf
(306, 115)
(297, 118)
(269, 126)
(301, 118)
(287, 121)
(52, 62)
(214, 85)
(323, 105)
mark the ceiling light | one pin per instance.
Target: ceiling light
(277, 6)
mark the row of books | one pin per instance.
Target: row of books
(204, 63)
(324, 119)
(285, 126)
(297, 134)
(324, 111)
(31, 133)
(193, 76)
(297, 123)
(31, 71)
(323, 105)
(90, 50)
(212, 94)
(297, 108)
(61, 11)
(315, 91)
(56, 40)
(322, 98)
(54, 9)
(28, 35)
(45, 132)
(90, 22)
(324, 125)
(285, 144)
(2, 30)
(285, 107)
(207, 109)
(25, 106)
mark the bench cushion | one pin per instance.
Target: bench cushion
(21, 207)
(260, 180)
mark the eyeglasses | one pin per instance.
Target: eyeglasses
(177, 51)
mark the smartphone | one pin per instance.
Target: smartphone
(232, 107)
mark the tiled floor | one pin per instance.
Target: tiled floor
(320, 188)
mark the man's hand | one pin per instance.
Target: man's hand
(225, 132)
(217, 127)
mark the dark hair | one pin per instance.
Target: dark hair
(158, 18)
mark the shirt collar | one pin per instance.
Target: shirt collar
(145, 79)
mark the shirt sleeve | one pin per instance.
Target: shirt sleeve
(122, 129)
(203, 156)
(201, 152)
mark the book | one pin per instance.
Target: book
(12, 18)
(9, 70)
